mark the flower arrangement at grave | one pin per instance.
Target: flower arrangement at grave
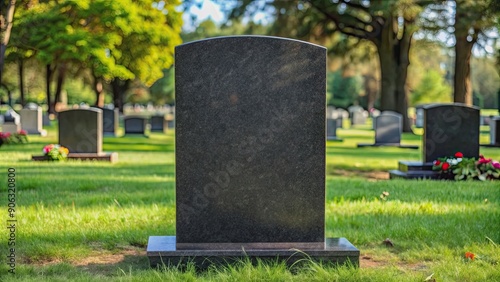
(20, 137)
(459, 168)
(55, 152)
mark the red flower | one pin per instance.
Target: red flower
(445, 166)
(483, 161)
(469, 255)
(437, 162)
(459, 155)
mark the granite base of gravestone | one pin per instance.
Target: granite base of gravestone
(135, 125)
(448, 128)
(250, 165)
(80, 130)
(388, 130)
(32, 121)
(494, 123)
(158, 123)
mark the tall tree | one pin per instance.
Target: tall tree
(473, 19)
(388, 25)
(6, 17)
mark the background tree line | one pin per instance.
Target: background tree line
(389, 54)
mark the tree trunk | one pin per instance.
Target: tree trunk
(119, 88)
(21, 82)
(48, 78)
(403, 61)
(5, 30)
(394, 61)
(385, 50)
(99, 93)
(462, 80)
(61, 76)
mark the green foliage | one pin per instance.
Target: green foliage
(431, 89)
(90, 221)
(163, 90)
(343, 91)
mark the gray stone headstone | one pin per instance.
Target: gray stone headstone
(495, 131)
(109, 121)
(331, 129)
(388, 128)
(135, 124)
(32, 121)
(250, 143)
(158, 123)
(80, 130)
(11, 122)
(450, 128)
(358, 115)
(419, 119)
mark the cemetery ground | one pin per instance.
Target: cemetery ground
(90, 221)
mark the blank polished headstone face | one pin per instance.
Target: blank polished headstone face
(450, 128)
(80, 130)
(250, 141)
(135, 125)
(109, 121)
(158, 123)
(388, 128)
(495, 131)
(331, 128)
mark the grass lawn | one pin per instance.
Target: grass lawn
(90, 221)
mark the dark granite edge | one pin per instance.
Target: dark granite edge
(109, 157)
(360, 145)
(490, 145)
(165, 246)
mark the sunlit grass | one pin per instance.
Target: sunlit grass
(69, 211)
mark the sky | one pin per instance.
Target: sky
(208, 10)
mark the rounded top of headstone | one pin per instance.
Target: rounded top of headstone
(245, 37)
(31, 106)
(433, 106)
(11, 116)
(92, 109)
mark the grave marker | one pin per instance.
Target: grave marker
(250, 153)
(448, 128)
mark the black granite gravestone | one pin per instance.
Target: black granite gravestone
(388, 129)
(448, 128)
(158, 123)
(135, 125)
(80, 130)
(250, 153)
(109, 121)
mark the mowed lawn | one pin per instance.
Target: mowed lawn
(90, 221)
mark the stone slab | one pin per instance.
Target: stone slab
(450, 128)
(414, 174)
(250, 141)
(107, 157)
(162, 250)
(361, 145)
(80, 130)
